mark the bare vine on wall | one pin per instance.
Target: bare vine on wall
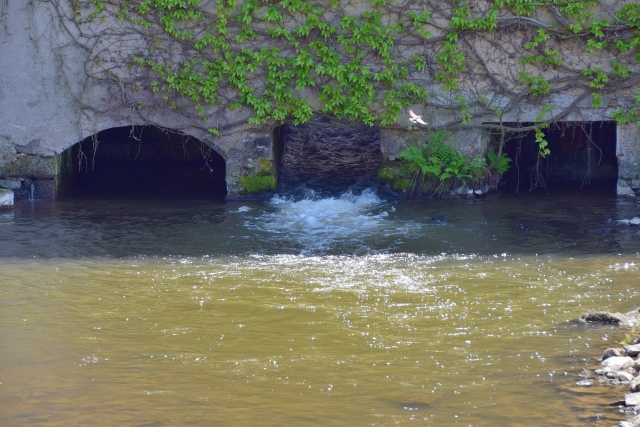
(466, 64)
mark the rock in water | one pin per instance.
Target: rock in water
(630, 318)
(601, 317)
(623, 377)
(632, 350)
(631, 422)
(635, 385)
(618, 363)
(632, 399)
(610, 352)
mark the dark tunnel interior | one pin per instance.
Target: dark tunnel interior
(142, 161)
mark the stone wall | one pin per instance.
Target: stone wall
(628, 152)
(51, 101)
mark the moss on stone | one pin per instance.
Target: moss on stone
(386, 174)
(401, 184)
(265, 167)
(257, 183)
(262, 180)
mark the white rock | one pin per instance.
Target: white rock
(635, 385)
(624, 376)
(635, 221)
(6, 197)
(632, 399)
(631, 422)
(618, 362)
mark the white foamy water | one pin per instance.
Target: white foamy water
(318, 224)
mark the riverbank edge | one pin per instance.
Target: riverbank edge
(620, 366)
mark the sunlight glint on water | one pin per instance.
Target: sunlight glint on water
(271, 316)
(288, 340)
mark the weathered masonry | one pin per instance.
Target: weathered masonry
(225, 99)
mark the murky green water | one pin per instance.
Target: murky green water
(320, 312)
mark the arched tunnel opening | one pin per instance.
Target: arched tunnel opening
(142, 161)
(582, 157)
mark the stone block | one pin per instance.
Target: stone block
(29, 166)
(6, 197)
(37, 189)
(393, 141)
(624, 189)
(12, 184)
(628, 151)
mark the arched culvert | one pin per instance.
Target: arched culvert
(582, 157)
(326, 157)
(142, 161)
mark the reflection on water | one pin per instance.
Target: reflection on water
(565, 224)
(146, 313)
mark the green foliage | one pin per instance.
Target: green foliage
(285, 58)
(401, 184)
(500, 164)
(452, 60)
(432, 166)
(623, 117)
(257, 183)
(538, 86)
(265, 166)
(386, 175)
(263, 180)
(630, 337)
(541, 139)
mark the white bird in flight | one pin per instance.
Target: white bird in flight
(416, 118)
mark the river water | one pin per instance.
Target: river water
(335, 312)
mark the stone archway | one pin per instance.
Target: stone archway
(142, 161)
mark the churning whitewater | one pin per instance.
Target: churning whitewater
(319, 224)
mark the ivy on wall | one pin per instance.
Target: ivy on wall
(288, 60)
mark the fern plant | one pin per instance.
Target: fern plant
(501, 164)
(436, 163)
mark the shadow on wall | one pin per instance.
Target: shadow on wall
(327, 158)
(142, 161)
(583, 157)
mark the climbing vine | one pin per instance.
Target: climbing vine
(464, 63)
